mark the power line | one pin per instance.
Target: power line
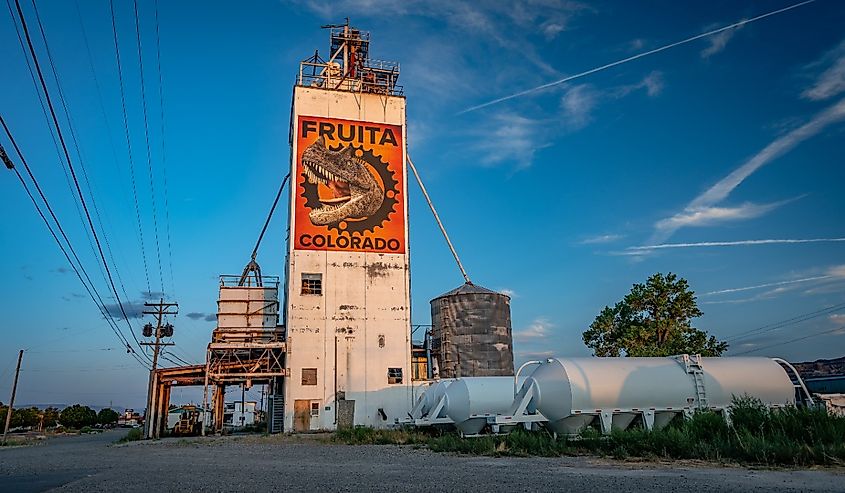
(792, 340)
(70, 163)
(83, 276)
(784, 323)
(53, 134)
(100, 100)
(129, 147)
(95, 296)
(147, 139)
(76, 146)
(163, 151)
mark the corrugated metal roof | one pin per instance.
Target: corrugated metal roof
(470, 288)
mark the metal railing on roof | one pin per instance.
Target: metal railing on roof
(234, 281)
(373, 76)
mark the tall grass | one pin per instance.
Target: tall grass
(756, 435)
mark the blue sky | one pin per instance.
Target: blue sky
(549, 196)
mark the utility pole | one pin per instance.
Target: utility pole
(151, 428)
(12, 399)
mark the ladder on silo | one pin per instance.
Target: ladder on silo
(694, 368)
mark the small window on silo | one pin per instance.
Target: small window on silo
(312, 284)
(309, 376)
(394, 375)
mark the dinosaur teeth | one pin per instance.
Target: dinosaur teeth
(336, 200)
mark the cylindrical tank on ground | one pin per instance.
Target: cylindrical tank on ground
(470, 400)
(471, 333)
(571, 392)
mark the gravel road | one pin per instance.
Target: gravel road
(254, 463)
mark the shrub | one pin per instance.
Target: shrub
(133, 435)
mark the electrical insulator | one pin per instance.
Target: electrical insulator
(148, 330)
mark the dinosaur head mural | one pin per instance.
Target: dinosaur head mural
(350, 186)
(355, 192)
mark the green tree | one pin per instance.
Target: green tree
(49, 417)
(107, 416)
(77, 416)
(654, 319)
(21, 417)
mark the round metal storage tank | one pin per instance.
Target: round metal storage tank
(471, 333)
(571, 392)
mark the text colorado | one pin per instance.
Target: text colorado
(352, 242)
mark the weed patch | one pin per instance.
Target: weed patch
(131, 436)
(757, 435)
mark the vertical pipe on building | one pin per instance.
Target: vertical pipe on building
(335, 381)
(429, 368)
(205, 396)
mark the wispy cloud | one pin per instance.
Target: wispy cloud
(511, 137)
(508, 25)
(538, 329)
(831, 82)
(706, 244)
(508, 292)
(577, 105)
(718, 192)
(579, 101)
(133, 309)
(718, 42)
(709, 216)
(600, 239)
(776, 148)
(151, 295)
(507, 136)
(632, 58)
(210, 317)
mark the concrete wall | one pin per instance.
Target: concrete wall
(360, 325)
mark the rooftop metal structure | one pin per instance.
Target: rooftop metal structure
(349, 67)
(247, 348)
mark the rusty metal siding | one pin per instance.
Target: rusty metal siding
(471, 333)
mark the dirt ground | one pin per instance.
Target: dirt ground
(253, 463)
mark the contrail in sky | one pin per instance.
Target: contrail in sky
(632, 58)
(730, 243)
(767, 285)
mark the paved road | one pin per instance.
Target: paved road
(91, 463)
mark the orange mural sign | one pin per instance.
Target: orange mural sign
(349, 186)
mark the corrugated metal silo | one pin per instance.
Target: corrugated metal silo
(471, 333)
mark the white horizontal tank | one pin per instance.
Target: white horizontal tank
(469, 401)
(572, 392)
